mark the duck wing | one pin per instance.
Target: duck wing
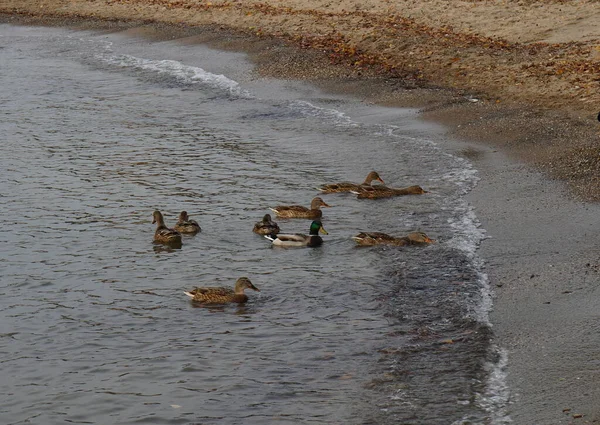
(266, 229)
(289, 208)
(210, 291)
(338, 187)
(165, 232)
(295, 237)
(379, 236)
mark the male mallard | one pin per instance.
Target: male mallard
(266, 226)
(186, 225)
(378, 238)
(221, 295)
(298, 239)
(298, 211)
(163, 234)
(348, 186)
(380, 191)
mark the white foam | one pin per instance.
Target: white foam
(330, 115)
(496, 397)
(184, 73)
(467, 237)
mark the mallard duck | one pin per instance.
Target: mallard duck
(186, 225)
(298, 211)
(380, 191)
(266, 226)
(163, 234)
(221, 295)
(348, 186)
(298, 239)
(378, 238)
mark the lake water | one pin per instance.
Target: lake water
(100, 129)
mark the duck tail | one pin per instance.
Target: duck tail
(360, 237)
(271, 237)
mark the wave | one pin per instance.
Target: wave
(185, 74)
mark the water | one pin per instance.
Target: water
(99, 129)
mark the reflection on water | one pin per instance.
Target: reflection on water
(95, 327)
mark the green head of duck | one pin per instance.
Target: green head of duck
(316, 227)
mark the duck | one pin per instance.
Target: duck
(378, 238)
(222, 295)
(298, 211)
(163, 234)
(186, 225)
(300, 240)
(266, 226)
(380, 191)
(348, 186)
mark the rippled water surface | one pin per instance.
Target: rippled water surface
(100, 129)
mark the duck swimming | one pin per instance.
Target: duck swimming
(298, 211)
(163, 234)
(380, 191)
(222, 295)
(378, 238)
(186, 225)
(266, 226)
(300, 240)
(348, 186)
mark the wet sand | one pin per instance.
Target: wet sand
(542, 259)
(538, 156)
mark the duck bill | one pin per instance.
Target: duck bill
(325, 205)
(255, 288)
(380, 180)
(429, 240)
(154, 221)
(323, 231)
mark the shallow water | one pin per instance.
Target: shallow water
(100, 129)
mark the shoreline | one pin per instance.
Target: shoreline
(544, 270)
(535, 253)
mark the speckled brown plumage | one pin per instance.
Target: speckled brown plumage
(163, 234)
(298, 211)
(348, 186)
(378, 238)
(222, 295)
(186, 225)
(266, 226)
(380, 191)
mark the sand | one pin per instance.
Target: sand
(516, 83)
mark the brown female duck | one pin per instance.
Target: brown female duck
(163, 234)
(298, 211)
(378, 238)
(221, 295)
(380, 191)
(266, 226)
(348, 186)
(186, 225)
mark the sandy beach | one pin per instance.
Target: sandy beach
(516, 85)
